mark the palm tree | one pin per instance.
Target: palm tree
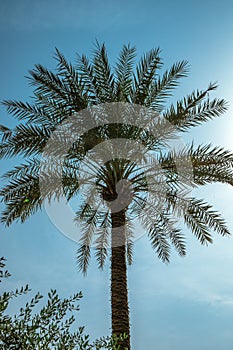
(156, 195)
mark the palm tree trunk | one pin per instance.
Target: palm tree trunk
(119, 291)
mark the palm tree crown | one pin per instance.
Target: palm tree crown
(156, 195)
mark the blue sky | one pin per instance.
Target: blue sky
(189, 303)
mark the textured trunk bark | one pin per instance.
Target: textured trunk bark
(119, 291)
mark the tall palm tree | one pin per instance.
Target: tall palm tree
(156, 195)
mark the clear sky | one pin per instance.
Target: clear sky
(189, 303)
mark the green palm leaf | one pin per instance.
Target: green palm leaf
(103, 74)
(192, 112)
(161, 88)
(145, 74)
(124, 73)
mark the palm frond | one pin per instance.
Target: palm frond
(32, 178)
(201, 165)
(178, 241)
(71, 78)
(83, 256)
(145, 73)
(25, 140)
(90, 82)
(161, 88)
(21, 197)
(26, 111)
(87, 218)
(198, 216)
(70, 183)
(156, 225)
(20, 187)
(159, 242)
(18, 209)
(49, 84)
(31, 167)
(209, 155)
(164, 233)
(192, 110)
(103, 74)
(6, 133)
(102, 241)
(124, 73)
